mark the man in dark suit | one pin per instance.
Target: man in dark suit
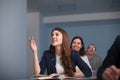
(110, 69)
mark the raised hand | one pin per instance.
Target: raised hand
(35, 56)
(33, 44)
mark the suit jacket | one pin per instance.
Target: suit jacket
(48, 62)
(112, 58)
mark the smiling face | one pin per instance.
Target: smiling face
(76, 44)
(56, 38)
(91, 49)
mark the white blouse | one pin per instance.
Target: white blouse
(59, 67)
(85, 59)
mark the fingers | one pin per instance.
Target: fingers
(107, 74)
(31, 38)
(111, 73)
(115, 71)
(32, 41)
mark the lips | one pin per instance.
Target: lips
(76, 48)
(53, 39)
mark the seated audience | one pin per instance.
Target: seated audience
(110, 69)
(59, 59)
(78, 45)
(94, 59)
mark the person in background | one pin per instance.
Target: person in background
(59, 59)
(94, 59)
(78, 45)
(110, 69)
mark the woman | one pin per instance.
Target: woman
(78, 45)
(59, 59)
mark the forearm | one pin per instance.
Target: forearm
(79, 74)
(36, 64)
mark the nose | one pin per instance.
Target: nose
(53, 36)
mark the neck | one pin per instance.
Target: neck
(58, 51)
(90, 56)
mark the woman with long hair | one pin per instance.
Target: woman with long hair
(78, 45)
(59, 59)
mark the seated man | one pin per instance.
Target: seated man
(110, 69)
(94, 59)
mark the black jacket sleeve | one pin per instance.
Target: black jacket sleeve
(112, 58)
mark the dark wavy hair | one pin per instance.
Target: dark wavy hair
(66, 52)
(82, 50)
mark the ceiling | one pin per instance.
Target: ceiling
(66, 7)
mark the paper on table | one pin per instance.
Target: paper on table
(52, 76)
(42, 77)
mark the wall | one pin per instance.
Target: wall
(102, 33)
(33, 28)
(98, 28)
(13, 39)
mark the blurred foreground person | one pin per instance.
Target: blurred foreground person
(110, 69)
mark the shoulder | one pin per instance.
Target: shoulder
(118, 36)
(85, 56)
(48, 53)
(118, 39)
(74, 53)
(96, 56)
(75, 56)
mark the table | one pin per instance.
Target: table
(68, 78)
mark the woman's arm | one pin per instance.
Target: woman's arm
(78, 73)
(36, 64)
(85, 70)
(35, 56)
